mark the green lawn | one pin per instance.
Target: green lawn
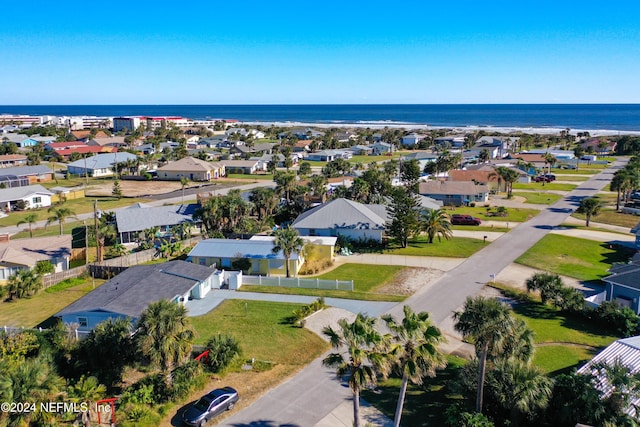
(79, 206)
(558, 359)
(548, 186)
(582, 171)
(424, 405)
(261, 331)
(573, 257)
(458, 247)
(367, 281)
(539, 198)
(577, 178)
(266, 176)
(513, 214)
(610, 216)
(30, 312)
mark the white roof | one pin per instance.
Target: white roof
(314, 240)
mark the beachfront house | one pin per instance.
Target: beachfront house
(411, 139)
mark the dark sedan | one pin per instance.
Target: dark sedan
(210, 405)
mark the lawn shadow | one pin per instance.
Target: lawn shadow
(621, 252)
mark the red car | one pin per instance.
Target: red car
(458, 219)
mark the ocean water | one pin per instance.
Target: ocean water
(613, 117)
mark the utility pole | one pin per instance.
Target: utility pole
(95, 223)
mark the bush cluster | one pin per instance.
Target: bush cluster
(298, 317)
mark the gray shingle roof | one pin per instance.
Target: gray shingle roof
(26, 170)
(629, 277)
(102, 161)
(15, 193)
(229, 248)
(343, 213)
(141, 218)
(451, 188)
(131, 291)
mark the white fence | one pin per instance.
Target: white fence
(594, 301)
(296, 282)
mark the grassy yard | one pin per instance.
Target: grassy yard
(573, 257)
(610, 216)
(78, 206)
(30, 312)
(458, 247)
(424, 405)
(577, 178)
(582, 171)
(256, 177)
(367, 281)
(548, 186)
(539, 198)
(253, 321)
(513, 214)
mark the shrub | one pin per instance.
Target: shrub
(186, 378)
(222, 350)
(298, 317)
(622, 319)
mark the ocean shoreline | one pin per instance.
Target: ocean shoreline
(457, 129)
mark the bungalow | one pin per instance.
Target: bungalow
(343, 217)
(623, 285)
(85, 135)
(191, 168)
(246, 167)
(266, 148)
(22, 254)
(451, 141)
(381, 148)
(484, 175)
(35, 196)
(222, 253)
(454, 193)
(129, 293)
(329, 155)
(12, 160)
(537, 160)
(302, 133)
(558, 154)
(99, 165)
(411, 139)
(138, 218)
(361, 150)
(21, 176)
(111, 141)
(423, 157)
(21, 140)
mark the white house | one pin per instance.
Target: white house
(98, 165)
(411, 139)
(35, 196)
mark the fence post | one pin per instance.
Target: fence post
(278, 280)
(298, 284)
(351, 284)
(76, 335)
(317, 283)
(259, 279)
(336, 283)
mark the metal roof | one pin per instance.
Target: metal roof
(229, 248)
(627, 352)
(26, 170)
(102, 161)
(131, 291)
(141, 218)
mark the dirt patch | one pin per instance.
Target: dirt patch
(134, 188)
(410, 280)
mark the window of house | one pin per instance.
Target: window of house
(83, 322)
(37, 200)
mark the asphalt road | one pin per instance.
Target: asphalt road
(313, 393)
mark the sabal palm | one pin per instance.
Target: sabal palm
(415, 350)
(590, 207)
(24, 283)
(509, 176)
(59, 214)
(30, 219)
(288, 241)
(359, 343)
(520, 388)
(165, 335)
(436, 222)
(486, 322)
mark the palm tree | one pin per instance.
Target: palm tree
(30, 219)
(183, 182)
(509, 176)
(264, 201)
(415, 351)
(360, 343)
(25, 282)
(288, 241)
(486, 322)
(620, 386)
(436, 222)
(520, 388)
(620, 183)
(590, 207)
(549, 285)
(59, 214)
(165, 335)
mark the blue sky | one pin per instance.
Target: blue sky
(284, 52)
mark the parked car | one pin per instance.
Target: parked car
(209, 406)
(458, 219)
(550, 176)
(542, 178)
